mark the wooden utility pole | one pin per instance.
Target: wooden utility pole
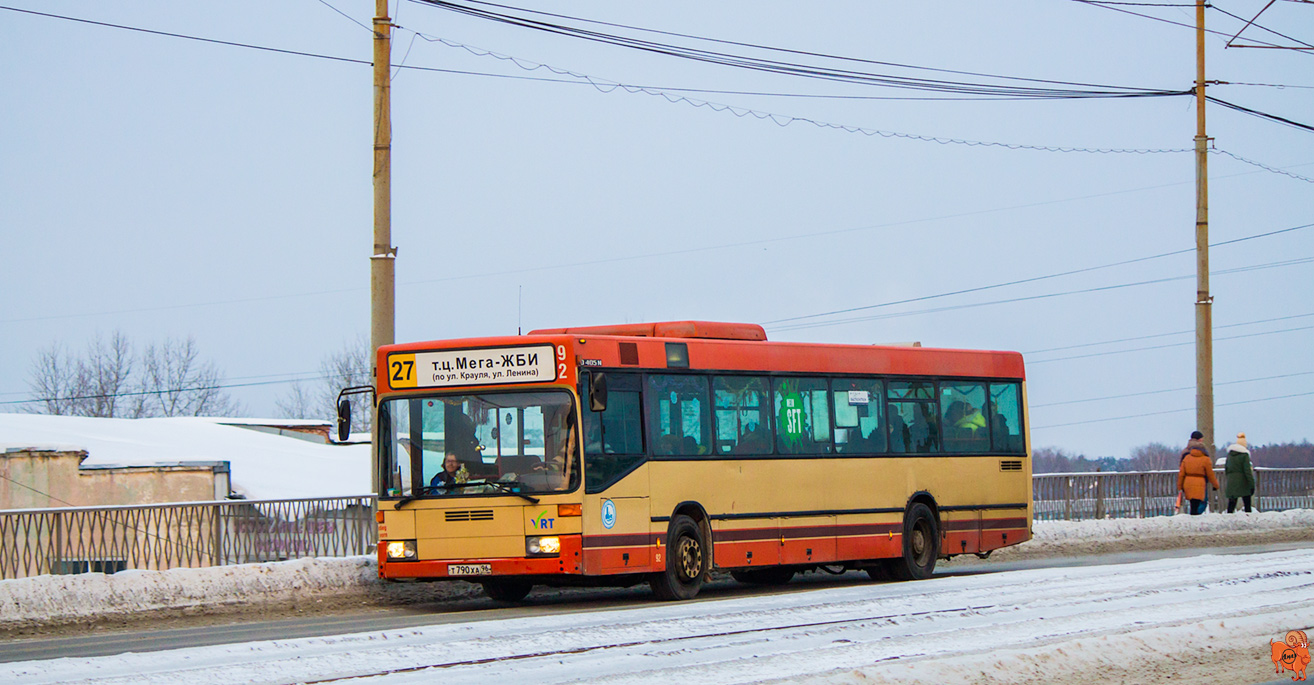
(1204, 335)
(384, 255)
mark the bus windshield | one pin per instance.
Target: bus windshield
(478, 444)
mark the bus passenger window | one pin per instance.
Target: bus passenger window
(613, 439)
(1006, 418)
(859, 418)
(914, 422)
(802, 416)
(743, 423)
(678, 415)
(963, 420)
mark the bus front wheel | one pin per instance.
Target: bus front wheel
(507, 590)
(921, 545)
(686, 562)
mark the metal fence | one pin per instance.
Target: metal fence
(189, 534)
(195, 534)
(1077, 496)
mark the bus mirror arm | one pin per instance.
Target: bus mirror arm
(344, 409)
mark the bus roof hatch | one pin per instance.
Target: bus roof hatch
(714, 330)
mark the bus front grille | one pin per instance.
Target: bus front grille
(472, 515)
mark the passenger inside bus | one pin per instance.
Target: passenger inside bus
(453, 473)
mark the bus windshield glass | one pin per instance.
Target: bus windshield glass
(478, 444)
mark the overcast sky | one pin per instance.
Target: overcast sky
(169, 187)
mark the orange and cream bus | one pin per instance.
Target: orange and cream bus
(613, 455)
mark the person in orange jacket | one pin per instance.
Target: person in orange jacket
(1195, 471)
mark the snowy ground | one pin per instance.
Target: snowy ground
(1156, 620)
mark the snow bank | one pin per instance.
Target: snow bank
(59, 599)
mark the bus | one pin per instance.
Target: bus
(664, 452)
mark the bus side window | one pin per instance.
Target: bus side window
(613, 439)
(679, 415)
(1006, 418)
(859, 416)
(743, 421)
(802, 416)
(914, 421)
(963, 420)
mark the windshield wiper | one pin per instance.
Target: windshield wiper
(507, 489)
(499, 485)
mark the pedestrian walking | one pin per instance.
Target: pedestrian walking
(1240, 474)
(1194, 477)
(1195, 443)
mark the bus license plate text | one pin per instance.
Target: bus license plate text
(469, 569)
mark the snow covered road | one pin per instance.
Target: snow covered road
(1004, 624)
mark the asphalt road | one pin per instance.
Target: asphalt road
(104, 642)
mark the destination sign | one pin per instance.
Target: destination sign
(491, 366)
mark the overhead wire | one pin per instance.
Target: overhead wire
(1170, 411)
(798, 69)
(1035, 278)
(1166, 346)
(757, 46)
(1165, 390)
(1163, 335)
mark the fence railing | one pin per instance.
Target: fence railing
(190, 534)
(1141, 494)
(196, 534)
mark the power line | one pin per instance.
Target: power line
(1035, 278)
(972, 305)
(797, 69)
(1109, 6)
(1261, 115)
(1170, 411)
(1251, 22)
(141, 393)
(187, 37)
(1162, 334)
(1161, 347)
(1167, 390)
(757, 46)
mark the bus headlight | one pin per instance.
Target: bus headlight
(548, 545)
(401, 550)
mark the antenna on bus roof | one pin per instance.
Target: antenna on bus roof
(520, 296)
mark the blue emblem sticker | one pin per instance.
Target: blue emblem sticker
(608, 514)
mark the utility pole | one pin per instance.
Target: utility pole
(384, 255)
(1204, 332)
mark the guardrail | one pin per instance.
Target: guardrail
(187, 534)
(196, 534)
(1141, 494)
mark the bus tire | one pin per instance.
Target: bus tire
(772, 575)
(921, 545)
(686, 562)
(507, 590)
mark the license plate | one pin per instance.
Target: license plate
(469, 569)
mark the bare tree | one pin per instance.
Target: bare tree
(54, 382)
(175, 381)
(1154, 456)
(349, 366)
(100, 383)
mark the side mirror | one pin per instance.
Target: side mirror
(597, 392)
(344, 419)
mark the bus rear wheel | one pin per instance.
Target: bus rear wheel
(507, 590)
(921, 545)
(686, 562)
(774, 575)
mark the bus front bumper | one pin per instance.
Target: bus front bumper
(566, 562)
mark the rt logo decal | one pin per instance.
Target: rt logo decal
(542, 522)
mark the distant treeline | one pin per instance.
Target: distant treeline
(1157, 456)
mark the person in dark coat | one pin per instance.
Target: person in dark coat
(1240, 475)
(1194, 477)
